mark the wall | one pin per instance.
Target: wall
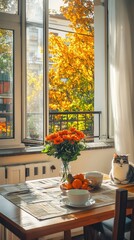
(91, 160)
(97, 159)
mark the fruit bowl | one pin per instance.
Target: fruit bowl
(77, 181)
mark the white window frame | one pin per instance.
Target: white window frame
(12, 22)
(45, 74)
(102, 92)
(101, 102)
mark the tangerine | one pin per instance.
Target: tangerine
(77, 183)
(68, 186)
(79, 176)
(86, 181)
(84, 186)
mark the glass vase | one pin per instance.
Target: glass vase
(65, 170)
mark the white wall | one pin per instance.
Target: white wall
(98, 159)
(91, 160)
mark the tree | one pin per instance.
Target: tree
(34, 90)
(80, 13)
(71, 77)
(6, 39)
(8, 5)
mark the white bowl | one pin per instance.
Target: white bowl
(78, 196)
(95, 177)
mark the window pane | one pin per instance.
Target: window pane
(6, 83)
(9, 6)
(71, 65)
(34, 11)
(34, 120)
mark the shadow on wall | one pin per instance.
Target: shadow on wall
(91, 160)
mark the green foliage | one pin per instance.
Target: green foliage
(66, 144)
(66, 150)
(6, 39)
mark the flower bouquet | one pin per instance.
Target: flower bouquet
(66, 145)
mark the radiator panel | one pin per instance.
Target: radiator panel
(37, 171)
(15, 174)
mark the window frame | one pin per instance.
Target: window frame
(102, 102)
(26, 141)
(12, 22)
(17, 23)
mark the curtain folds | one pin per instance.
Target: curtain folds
(121, 73)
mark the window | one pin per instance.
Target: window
(10, 75)
(26, 107)
(34, 71)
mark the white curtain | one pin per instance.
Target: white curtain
(121, 73)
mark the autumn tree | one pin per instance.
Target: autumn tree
(8, 5)
(5, 51)
(6, 36)
(71, 77)
(34, 90)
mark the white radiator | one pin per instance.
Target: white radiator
(37, 170)
(24, 172)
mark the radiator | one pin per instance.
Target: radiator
(13, 174)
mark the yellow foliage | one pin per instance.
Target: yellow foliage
(71, 76)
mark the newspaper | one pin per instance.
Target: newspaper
(44, 199)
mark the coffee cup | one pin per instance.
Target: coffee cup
(78, 196)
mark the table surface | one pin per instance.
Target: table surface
(27, 227)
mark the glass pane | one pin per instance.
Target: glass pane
(54, 6)
(6, 83)
(34, 83)
(9, 6)
(71, 65)
(34, 11)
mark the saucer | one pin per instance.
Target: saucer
(89, 203)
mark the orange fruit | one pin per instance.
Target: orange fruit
(79, 176)
(68, 186)
(86, 181)
(84, 186)
(77, 183)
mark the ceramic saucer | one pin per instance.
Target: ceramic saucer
(89, 203)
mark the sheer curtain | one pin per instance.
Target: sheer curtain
(121, 73)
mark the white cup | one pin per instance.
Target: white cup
(78, 196)
(95, 177)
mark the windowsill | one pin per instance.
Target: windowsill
(20, 151)
(99, 145)
(37, 150)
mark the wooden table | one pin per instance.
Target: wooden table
(26, 227)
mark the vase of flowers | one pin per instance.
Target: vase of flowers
(65, 145)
